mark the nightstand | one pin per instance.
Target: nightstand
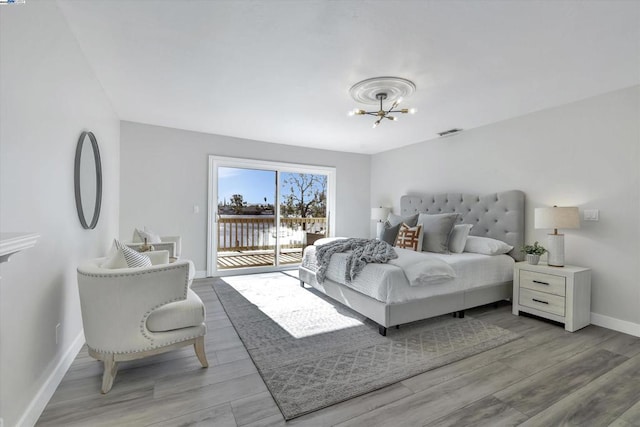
(562, 294)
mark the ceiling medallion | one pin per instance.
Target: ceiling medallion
(382, 89)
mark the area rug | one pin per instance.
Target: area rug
(313, 352)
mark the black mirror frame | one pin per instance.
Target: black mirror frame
(76, 180)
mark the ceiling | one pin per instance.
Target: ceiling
(280, 70)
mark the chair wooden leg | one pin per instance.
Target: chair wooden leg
(199, 348)
(110, 371)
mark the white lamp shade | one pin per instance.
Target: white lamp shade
(379, 214)
(557, 217)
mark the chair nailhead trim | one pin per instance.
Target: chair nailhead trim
(149, 348)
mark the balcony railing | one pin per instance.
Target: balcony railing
(250, 233)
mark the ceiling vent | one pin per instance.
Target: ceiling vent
(449, 132)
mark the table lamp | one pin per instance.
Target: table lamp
(554, 218)
(380, 215)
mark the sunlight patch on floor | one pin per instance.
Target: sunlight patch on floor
(297, 310)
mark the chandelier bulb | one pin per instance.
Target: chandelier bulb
(412, 110)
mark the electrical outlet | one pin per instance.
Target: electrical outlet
(57, 335)
(196, 209)
(591, 214)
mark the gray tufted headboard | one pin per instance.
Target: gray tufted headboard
(498, 215)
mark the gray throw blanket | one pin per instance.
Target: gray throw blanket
(364, 251)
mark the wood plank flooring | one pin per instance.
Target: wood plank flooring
(548, 377)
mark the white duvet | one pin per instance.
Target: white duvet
(389, 283)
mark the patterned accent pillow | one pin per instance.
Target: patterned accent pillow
(133, 258)
(409, 237)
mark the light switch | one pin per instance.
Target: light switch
(591, 214)
(196, 209)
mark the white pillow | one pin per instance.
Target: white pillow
(429, 272)
(151, 236)
(125, 257)
(486, 246)
(115, 258)
(458, 237)
(326, 240)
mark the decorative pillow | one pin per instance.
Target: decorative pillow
(151, 236)
(486, 246)
(409, 237)
(458, 237)
(133, 258)
(137, 238)
(436, 230)
(389, 233)
(411, 220)
(126, 257)
(392, 226)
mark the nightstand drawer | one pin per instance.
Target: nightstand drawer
(542, 301)
(548, 283)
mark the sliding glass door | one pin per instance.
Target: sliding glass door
(261, 214)
(246, 217)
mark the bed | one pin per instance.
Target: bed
(379, 292)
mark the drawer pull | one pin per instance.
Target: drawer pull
(540, 283)
(540, 301)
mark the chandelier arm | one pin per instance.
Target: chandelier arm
(394, 105)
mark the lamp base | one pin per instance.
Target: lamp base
(379, 229)
(555, 243)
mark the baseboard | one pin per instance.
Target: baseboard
(201, 274)
(40, 400)
(623, 326)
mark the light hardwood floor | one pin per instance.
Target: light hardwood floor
(548, 377)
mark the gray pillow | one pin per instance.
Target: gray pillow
(411, 220)
(390, 233)
(458, 237)
(436, 229)
(392, 226)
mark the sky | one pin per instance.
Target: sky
(253, 184)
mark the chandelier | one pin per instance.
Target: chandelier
(378, 90)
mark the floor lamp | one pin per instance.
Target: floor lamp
(380, 215)
(554, 218)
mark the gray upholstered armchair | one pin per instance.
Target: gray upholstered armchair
(130, 313)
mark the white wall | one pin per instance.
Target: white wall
(48, 96)
(164, 173)
(583, 154)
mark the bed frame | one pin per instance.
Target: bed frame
(498, 215)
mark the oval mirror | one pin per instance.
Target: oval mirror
(88, 180)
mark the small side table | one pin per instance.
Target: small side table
(562, 294)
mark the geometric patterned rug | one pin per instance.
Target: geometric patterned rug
(313, 352)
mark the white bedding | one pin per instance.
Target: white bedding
(388, 282)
